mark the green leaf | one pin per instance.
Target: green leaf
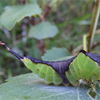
(30, 87)
(43, 30)
(55, 53)
(63, 58)
(98, 91)
(14, 14)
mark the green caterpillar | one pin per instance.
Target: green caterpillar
(85, 66)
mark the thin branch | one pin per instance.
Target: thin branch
(95, 45)
(81, 46)
(90, 36)
(77, 49)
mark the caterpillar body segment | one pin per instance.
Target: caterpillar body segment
(75, 71)
(96, 74)
(89, 70)
(71, 76)
(81, 59)
(75, 65)
(90, 67)
(30, 65)
(42, 72)
(93, 66)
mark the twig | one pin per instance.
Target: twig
(81, 46)
(95, 45)
(90, 36)
(41, 46)
(77, 49)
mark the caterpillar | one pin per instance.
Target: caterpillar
(85, 66)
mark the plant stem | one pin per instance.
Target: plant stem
(93, 26)
(84, 43)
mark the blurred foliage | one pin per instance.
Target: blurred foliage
(71, 17)
(46, 30)
(14, 14)
(55, 54)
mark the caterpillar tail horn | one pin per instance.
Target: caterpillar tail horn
(15, 54)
